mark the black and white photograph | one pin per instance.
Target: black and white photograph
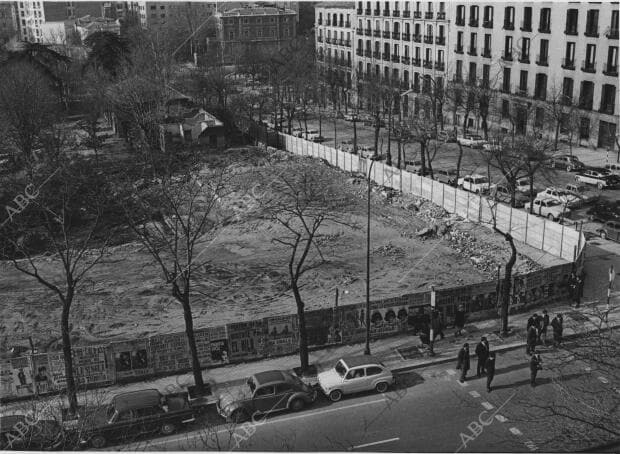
(310, 226)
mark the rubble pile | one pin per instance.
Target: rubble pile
(480, 254)
(389, 250)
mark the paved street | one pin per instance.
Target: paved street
(428, 410)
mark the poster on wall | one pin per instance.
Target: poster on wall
(43, 376)
(386, 321)
(353, 322)
(281, 335)
(91, 364)
(169, 352)
(131, 358)
(56, 363)
(22, 377)
(246, 339)
(323, 327)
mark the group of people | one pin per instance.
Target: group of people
(485, 365)
(537, 327)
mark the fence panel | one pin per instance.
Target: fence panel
(520, 221)
(462, 203)
(535, 229)
(503, 217)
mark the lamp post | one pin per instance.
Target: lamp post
(367, 350)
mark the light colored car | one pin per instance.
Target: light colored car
(562, 196)
(312, 135)
(583, 192)
(471, 140)
(297, 132)
(413, 166)
(350, 117)
(613, 168)
(549, 208)
(522, 185)
(366, 152)
(600, 178)
(492, 145)
(354, 374)
(475, 183)
(346, 145)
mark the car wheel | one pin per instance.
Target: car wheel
(239, 416)
(381, 387)
(98, 441)
(477, 191)
(335, 395)
(569, 168)
(600, 186)
(297, 405)
(603, 235)
(167, 428)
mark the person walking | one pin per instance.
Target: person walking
(545, 325)
(459, 320)
(532, 336)
(489, 367)
(437, 325)
(535, 366)
(482, 353)
(531, 321)
(557, 326)
(463, 362)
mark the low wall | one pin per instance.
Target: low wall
(134, 360)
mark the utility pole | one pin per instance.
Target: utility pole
(367, 350)
(432, 331)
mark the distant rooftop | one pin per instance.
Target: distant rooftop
(257, 11)
(339, 5)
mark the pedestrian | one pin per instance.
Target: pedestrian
(482, 353)
(572, 285)
(531, 321)
(557, 326)
(437, 325)
(532, 336)
(545, 325)
(578, 290)
(459, 320)
(535, 366)
(489, 366)
(463, 362)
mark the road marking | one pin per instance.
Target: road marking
(488, 405)
(462, 383)
(515, 431)
(530, 444)
(375, 443)
(451, 372)
(189, 436)
(603, 380)
(501, 418)
(474, 394)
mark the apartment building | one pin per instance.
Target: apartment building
(8, 21)
(537, 53)
(30, 18)
(334, 42)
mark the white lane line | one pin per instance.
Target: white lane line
(375, 443)
(451, 372)
(603, 380)
(488, 405)
(501, 418)
(515, 431)
(260, 422)
(474, 394)
(462, 383)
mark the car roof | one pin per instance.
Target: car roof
(362, 360)
(476, 175)
(270, 376)
(136, 399)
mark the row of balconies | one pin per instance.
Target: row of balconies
(438, 65)
(329, 23)
(336, 41)
(428, 39)
(609, 69)
(526, 27)
(428, 15)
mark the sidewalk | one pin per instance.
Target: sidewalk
(399, 353)
(591, 157)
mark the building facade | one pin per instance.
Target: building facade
(531, 55)
(8, 21)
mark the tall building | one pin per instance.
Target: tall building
(156, 14)
(530, 54)
(30, 18)
(8, 21)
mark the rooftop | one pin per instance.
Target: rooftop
(269, 376)
(354, 361)
(257, 11)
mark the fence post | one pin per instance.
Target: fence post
(480, 207)
(420, 185)
(527, 218)
(467, 211)
(542, 246)
(432, 187)
(456, 190)
(561, 240)
(443, 196)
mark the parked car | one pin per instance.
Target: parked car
(471, 140)
(503, 194)
(446, 136)
(583, 192)
(313, 136)
(355, 374)
(599, 178)
(413, 166)
(350, 117)
(566, 162)
(492, 145)
(613, 168)
(475, 183)
(297, 132)
(549, 208)
(21, 434)
(604, 211)
(523, 185)
(562, 196)
(610, 230)
(265, 392)
(447, 176)
(133, 413)
(366, 152)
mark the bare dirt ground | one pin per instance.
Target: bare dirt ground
(125, 297)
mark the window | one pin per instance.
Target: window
(544, 51)
(488, 15)
(459, 70)
(162, 7)
(544, 25)
(374, 370)
(525, 50)
(487, 45)
(612, 60)
(586, 95)
(282, 388)
(460, 15)
(592, 23)
(526, 25)
(572, 16)
(590, 55)
(472, 73)
(459, 40)
(509, 18)
(486, 74)
(567, 89)
(608, 95)
(359, 372)
(540, 88)
(506, 80)
(265, 391)
(523, 81)
(570, 54)
(473, 43)
(153, 7)
(473, 15)
(508, 48)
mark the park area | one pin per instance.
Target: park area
(246, 276)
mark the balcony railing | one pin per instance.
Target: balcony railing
(347, 43)
(610, 70)
(405, 60)
(347, 24)
(376, 33)
(417, 38)
(568, 63)
(521, 91)
(524, 58)
(588, 67)
(416, 61)
(506, 88)
(359, 52)
(320, 21)
(507, 56)
(612, 33)
(509, 25)
(572, 30)
(368, 53)
(486, 53)
(487, 24)
(428, 64)
(441, 15)
(542, 60)
(340, 24)
(386, 12)
(367, 32)
(395, 58)
(406, 36)
(440, 66)
(591, 32)
(428, 15)
(367, 12)
(526, 26)
(341, 42)
(359, 31)
(376, 55)
(386, 56)
(460, 21)
(473, 22)
(376, 12)
(359, 11)
(428, 39)
(417, 14)
(395, 35)
(607, 109)
(458, 49)
(440, 40)
(406, 14)
(386, 35)
(473, 51)
(396, 13)
(328, 23)
(328, 40)
(320, 39)
(545, 28)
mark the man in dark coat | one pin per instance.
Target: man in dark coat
(459, 320)
(482, 353)
(545, 325)
(489, 367)
(535, 366)
(531, 321)
(437, 325)
(532, 336)
(463, 362)
(557, 325)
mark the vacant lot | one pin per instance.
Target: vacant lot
(246, 278)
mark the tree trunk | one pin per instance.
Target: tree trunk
(191, 340)
(303, 335)
(388, 159)
(557, 136)
(458, 163)
(377, 129)
(422, 158)
(355, 135)
(400, 147)
(66, 351)
(506, 286)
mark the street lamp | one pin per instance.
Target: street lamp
(367, 350)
